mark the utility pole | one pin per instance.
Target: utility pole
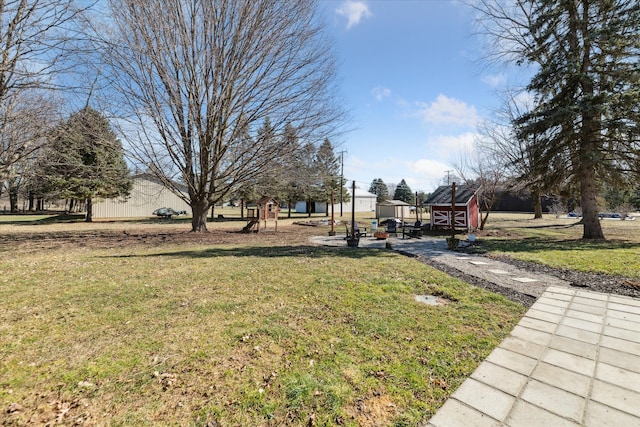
(449, 176)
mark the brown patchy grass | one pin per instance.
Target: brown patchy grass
(125, 323)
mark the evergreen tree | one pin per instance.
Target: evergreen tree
(85, 160)
(585, 113)
(379, 188)
(298, 176)
(403, 192)
(327, 168)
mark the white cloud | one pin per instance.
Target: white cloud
(444, 146)
(428, 174)
(495, 80)
(448, 111)
(354, 11)
(381, 92)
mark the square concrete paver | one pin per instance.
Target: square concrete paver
(527, 415)
(524, 279)
(513, 361)
(616, 397)
(485, 398)
(498, 271)
(599, 415)
(456, 414)
(501, 378)
(569, 361)
(523, 346)
(566, 380)
(555, 400)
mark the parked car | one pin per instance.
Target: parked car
(609, 215)
(168, 212)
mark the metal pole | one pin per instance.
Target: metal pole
(341, 179)
(353, 209)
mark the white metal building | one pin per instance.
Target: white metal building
(147, 195)
(363, 202)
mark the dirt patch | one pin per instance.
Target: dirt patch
(142, 235)
(47, 410)
(374, 411)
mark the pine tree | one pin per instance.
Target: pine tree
(403, 192)
(586, 113)
(327, 168)
(85, 160)
(380, 189)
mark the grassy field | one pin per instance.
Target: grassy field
(142, 323)
(557, 242)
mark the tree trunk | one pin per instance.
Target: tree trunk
(31, 201)
(483, 219)
(89, 217)
(13, 199)
(592, 228)
(199, 219)
(537, 203)
(590, 135)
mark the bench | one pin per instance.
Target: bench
(359, 232)
(414, 230)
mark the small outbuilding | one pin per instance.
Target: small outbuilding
(266, 210)
(393, 209)
(467, 211)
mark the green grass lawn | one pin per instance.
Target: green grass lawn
(557, 242)
(248, 333)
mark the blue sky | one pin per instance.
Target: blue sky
(411, 78)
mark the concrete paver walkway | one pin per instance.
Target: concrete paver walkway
(572, 360)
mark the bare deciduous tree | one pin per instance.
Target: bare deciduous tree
(482, 171)
(200, 77)
(26, 118)
(35, 41)
(518, 156)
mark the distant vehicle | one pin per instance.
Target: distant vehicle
(609, 216)
(574, 215)
(168, 212)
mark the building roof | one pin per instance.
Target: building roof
(360, 193)
(151, 177)
(393, 203)
(442, 195)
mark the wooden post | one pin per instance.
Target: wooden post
(453, 210)
(333, 226)
(416, 206)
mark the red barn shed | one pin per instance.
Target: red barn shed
(467, 212)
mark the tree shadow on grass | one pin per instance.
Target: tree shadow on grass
(535, 244)
(307, 251)
(78, 218)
